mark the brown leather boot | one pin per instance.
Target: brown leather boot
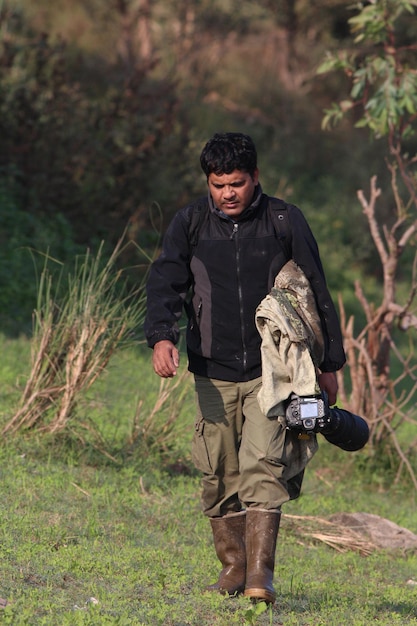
(261, 539)
(229, 543)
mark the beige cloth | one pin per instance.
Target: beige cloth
(292, 348)
(292, 340)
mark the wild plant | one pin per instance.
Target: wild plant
(76, 330)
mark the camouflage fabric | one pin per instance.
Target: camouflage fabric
(292, 340)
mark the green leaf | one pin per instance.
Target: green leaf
(357, 89)
(327, 66)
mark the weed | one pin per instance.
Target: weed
(252, 614)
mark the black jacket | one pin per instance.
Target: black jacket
(221, 282)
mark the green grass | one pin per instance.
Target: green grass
(119, 521)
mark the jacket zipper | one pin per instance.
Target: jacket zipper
(234, 236)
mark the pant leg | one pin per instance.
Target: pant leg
(262, 454)
(216, 442)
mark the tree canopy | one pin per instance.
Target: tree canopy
(105, 107)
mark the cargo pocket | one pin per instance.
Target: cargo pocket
(298, 452)
(199, 448)
(275, 454)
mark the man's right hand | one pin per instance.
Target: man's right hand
(165, 359)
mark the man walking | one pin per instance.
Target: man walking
(220, 274)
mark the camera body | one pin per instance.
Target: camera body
(307, 413)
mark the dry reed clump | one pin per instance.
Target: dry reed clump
(74, 338)
(158, 432)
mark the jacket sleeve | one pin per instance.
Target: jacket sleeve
(306, 255)
(168, 283)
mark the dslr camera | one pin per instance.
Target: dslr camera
(307, 413)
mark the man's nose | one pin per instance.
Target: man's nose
(229, 192)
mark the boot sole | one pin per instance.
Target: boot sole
(225, 592)
(257, 593)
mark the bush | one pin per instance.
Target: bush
(25, 239)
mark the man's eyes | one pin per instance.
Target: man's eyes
(231, 185)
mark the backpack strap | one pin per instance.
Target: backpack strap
(278, 211)
(199, 210)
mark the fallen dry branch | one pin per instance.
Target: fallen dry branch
(321, 529)
(346, 543)
(357, 532)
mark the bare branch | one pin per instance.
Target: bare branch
(365, 305)
(369, 211)
(407, 235)
(405, 320)
(401, 454)
(397, 196)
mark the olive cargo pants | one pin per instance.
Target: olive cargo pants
(242, 454)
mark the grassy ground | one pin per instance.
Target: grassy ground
(108, 530)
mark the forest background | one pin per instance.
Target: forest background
(105, 106)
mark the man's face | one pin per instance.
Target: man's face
(232, 193)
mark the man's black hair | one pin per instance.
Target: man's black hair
(226, 152)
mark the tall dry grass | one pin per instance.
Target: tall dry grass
(74, 337)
